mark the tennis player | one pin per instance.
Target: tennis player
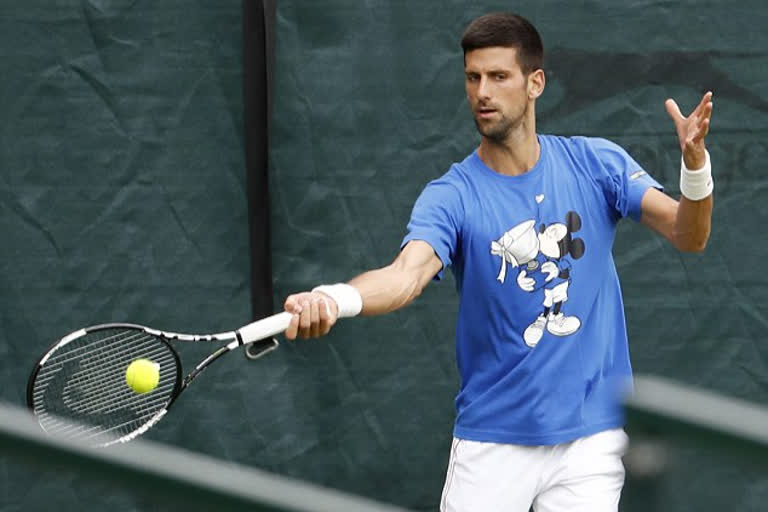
(526, 222)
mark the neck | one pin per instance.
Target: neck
(513, 156)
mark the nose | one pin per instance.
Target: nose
(483, 89)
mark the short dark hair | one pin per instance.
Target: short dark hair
(508, 30)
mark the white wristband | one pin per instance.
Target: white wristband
(696, 185)
(347, 298)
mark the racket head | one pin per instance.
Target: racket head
(77, 390)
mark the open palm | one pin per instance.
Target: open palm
(692, 130)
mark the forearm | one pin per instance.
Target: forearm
(376, 292)
(694, 211)
(693, 224)
(685, 223)
(397, 285)
(387, 289)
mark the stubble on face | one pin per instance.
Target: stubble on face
(500, 129)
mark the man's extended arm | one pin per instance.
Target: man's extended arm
(382, 290)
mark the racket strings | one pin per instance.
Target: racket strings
(102, 375)
(97, 400)
(116, 417)
(101, 404)
(92, 370)
(95, 378)
(122, 429)
(73, 354)
(85, 382)
(61, 428)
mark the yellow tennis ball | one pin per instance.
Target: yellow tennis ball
(142, 375)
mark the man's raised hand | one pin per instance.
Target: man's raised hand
(692, 130)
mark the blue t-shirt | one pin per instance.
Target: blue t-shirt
(541, 339)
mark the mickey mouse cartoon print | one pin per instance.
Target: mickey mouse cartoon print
(544, 259)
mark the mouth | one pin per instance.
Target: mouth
(485, 112)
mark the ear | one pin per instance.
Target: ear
(536, 82)
(573, 221)
(577, 248)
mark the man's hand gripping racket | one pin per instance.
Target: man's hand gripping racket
(316, 312)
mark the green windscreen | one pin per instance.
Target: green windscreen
(123, 198)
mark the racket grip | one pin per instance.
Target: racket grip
(265, 328)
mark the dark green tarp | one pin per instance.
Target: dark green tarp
(123, 198)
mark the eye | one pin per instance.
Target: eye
(500, 76)
(472, 77)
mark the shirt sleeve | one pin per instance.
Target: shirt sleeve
(436, 219)
(623, 180)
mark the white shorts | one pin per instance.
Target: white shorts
(557, 293)
(585, 475)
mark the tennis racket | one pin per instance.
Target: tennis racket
(77, 390)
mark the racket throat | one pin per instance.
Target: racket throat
(206, 362)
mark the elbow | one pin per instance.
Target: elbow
(414, 290)
(697, 248)
(693, 245)
(410, 287)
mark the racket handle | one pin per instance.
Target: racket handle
(265, 328)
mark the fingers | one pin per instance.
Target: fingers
(313, 316)
(701, 120)
(325, 316)
(292, 306)
(704, 119)
(293, 328)
(673, 110)
(701, 131)
(705, 100)
(693, 129)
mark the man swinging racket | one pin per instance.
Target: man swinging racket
(527, 223)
